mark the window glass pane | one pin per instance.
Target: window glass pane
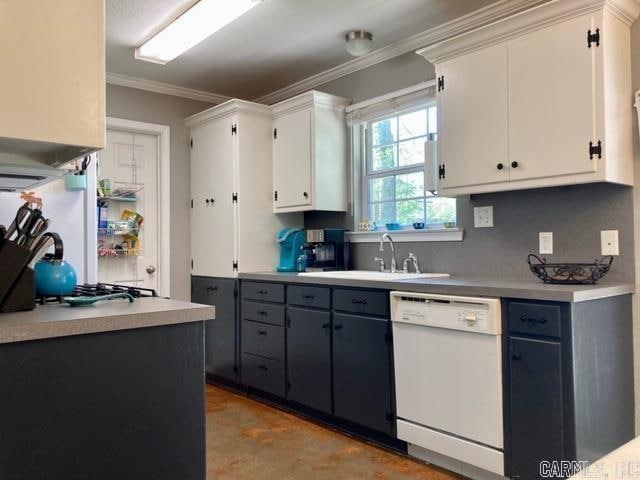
(411, 152)
(410, 185)
(384, 131)
(382, 213)
(410, 211)
(381, 189)
(433, 120)
(384, 157)
(441, 210)
(412, 124)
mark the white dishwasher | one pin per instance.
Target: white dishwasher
(448, 375)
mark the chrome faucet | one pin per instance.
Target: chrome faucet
(393, 252)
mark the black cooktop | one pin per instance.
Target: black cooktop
(99, 289)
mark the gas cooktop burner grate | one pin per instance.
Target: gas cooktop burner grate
(99, 289)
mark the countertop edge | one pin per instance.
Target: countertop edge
(101, 323)
(468, 286)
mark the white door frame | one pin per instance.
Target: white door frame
(162, 133)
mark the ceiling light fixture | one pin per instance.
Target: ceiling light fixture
(203, 19)
(359, 43)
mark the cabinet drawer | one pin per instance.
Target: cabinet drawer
(367, 302)
(317, 297)
(209, 291)
(534, 319)
(263, 374)
(262, 339)
(263, 312)
(269, 292)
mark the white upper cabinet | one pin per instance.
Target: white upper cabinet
(53, 80)
(310, 153)
(551, 90)
(474, 101)
(233, 227)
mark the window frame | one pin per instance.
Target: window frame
(368, 173)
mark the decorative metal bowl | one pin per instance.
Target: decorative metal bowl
(569, 273)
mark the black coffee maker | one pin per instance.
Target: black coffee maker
(326, 249)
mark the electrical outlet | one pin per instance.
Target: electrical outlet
(609, 242)
(545, 243)
(483, 217)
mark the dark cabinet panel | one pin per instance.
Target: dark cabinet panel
(221, 333)
(362, 370)
(315, 297)
(263, 291)
(364, 302)
(263, 312)
(309, 357)
(536, 405)
(263, 339)
(264, 374)
(534, 319)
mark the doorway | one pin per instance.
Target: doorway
(133, 206)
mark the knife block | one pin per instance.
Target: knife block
(17, 280)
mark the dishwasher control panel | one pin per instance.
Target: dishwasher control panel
(473, 314)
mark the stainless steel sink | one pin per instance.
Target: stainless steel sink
(372, 275)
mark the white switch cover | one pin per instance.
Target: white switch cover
(483, 217)
(609, 242)
(546, 243)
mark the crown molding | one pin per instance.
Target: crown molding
(475, 19)
(227, 109)
(165, 88)
(544, 15)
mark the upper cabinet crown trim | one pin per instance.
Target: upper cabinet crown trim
(228, 109)
(307, 100)
(551, 13)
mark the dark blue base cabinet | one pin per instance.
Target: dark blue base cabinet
(324, 351)
(221, 334)
(569, 381)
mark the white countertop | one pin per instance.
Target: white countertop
(61, 320)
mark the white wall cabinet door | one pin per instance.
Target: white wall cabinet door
(551, 101)
(473, 119)
(212, 186)
(292, 162)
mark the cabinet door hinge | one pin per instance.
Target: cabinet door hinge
(275, 133)
(593, 37)
(234, 129)
(288, 384)
(235, 265)
(441, 83)
(442, 172)
(192, 203)
(275, 195)
(191, 143)
(192, 264)
(234, 197)
(595, 149)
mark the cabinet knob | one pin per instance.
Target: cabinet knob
(326, 325)
(305, 194)
(262, 332)
(514, 164)
(516, 356)
(500, 166)
(337, 327)
(207, 201)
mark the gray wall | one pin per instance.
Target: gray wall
(574, 214)
(133, 104)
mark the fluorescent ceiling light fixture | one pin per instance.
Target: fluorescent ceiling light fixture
(193, 26)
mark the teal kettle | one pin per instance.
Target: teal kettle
(54, 276)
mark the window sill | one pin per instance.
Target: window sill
(426, 235)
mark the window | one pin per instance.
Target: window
(394, 177)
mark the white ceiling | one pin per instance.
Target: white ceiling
(274, 45)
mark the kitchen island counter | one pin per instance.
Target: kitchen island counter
(530, 289)
(61, 320)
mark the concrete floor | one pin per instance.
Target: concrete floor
(251, 441)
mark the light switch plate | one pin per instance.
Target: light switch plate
(609, 242)
(545, 243)
(483, 217)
